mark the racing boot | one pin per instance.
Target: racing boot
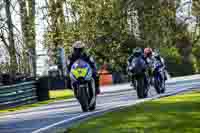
(69, 83)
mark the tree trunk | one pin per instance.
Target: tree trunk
(25, 34)
(28, 30)
(32, 35)
(57, 22)
(12, 50)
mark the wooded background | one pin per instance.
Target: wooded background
(110, 28)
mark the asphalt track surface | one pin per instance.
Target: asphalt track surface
(62, 113)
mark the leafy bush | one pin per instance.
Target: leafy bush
(196, 53)
(175, 64)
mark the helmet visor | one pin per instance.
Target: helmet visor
(78, 50)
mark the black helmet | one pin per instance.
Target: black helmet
(137, 52)
(78, 47)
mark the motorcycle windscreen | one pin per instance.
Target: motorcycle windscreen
(80, 69)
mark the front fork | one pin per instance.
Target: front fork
(76, 87)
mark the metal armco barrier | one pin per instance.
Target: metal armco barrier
(18, 94)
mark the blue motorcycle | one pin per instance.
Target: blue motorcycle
(83, 85)
(159, 77)
(137, 71)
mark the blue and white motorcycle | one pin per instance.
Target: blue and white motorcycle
(83, 85)
(159, 77)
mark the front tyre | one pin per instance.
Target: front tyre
(83, 99)
(93, 96)
(163, 88)
(157, 85)
(160, 84)
(93, 106)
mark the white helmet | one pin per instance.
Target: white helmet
(78, 45)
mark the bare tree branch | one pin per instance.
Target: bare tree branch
(15, 27)
(4, 40)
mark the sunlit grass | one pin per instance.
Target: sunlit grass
(61, 94)
(176, 114)
(55, 95)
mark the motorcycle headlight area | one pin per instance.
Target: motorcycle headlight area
(89, 75)
(81, 73)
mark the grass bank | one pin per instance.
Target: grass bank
(176, 114)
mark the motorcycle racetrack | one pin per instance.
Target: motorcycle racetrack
(61, 114)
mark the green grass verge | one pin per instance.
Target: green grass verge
(176, 114)
(55, 95)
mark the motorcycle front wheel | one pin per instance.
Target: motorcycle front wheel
(92, 107)
(159, 85)
(83, 99)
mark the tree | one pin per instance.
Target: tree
(11, 45)
(55, 35)
(27, 14)
(103, 26)
(195, 12)
(196, 7)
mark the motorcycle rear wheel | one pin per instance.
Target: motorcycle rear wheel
(141, 88)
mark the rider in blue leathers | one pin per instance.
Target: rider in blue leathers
(137, 53)
(79, 53)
